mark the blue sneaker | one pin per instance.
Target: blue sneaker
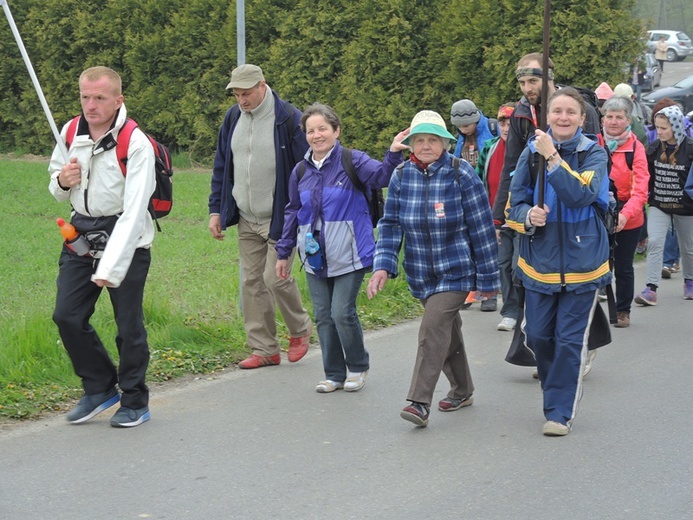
(92, 405)
(128, 417)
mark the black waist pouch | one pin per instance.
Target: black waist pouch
(97, 230)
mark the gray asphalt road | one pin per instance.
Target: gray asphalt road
(264, 445)
(676, 71)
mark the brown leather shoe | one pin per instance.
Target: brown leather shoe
(255, 361)
(623, 319)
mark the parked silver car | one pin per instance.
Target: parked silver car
(678, 44)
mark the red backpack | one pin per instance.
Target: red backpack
(162, 198)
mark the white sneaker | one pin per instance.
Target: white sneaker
(355, 381)
(507, 324)
(555, 429)
(328, 386)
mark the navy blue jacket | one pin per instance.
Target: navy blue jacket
(290, 145)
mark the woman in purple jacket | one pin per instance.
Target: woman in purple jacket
(323, 201)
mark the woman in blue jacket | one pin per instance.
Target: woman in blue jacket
(564, 251)
(327, 204)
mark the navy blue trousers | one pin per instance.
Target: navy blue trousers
(556, 329)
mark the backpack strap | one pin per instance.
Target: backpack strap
(72, 131)
(301, 170)
(124, 144)
(493, 126)
(456, 169)
(348, 165)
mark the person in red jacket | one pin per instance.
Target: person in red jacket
(630, 176)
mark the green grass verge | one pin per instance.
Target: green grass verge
(191, 300)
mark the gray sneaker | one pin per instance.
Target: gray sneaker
(91, 405)
(489, 305)
(128, 417)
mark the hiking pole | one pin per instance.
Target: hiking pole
(544, 99)
(37, 86)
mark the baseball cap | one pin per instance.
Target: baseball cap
(245, 76)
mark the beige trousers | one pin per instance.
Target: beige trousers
(261, 290)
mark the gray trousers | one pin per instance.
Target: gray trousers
(658, 224)
(441, 348)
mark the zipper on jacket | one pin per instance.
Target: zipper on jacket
(428, 229)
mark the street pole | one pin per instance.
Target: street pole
(240, 31)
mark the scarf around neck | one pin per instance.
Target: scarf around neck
(414, 159)
(614, 141)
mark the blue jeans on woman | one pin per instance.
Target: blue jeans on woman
(338, 324)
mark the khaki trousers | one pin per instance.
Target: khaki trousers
(441, 347)
(261, 290)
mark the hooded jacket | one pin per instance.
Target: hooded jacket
(483, 134)
(572, 250)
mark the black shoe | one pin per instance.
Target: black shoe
(416, 413)
(128, 417)
(91, 405)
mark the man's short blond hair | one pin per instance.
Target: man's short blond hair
(96, 73)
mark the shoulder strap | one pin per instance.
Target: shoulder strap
(124, 144)
(630, 156)
(456, 169)
(72, 131)
(493, 126)
(348, 165)
(301, 170)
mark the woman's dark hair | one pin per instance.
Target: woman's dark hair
(572, 93)
(325, 111)
(663, 103)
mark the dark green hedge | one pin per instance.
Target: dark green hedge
(376, 61)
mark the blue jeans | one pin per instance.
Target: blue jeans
(671, 247)
(339, 327)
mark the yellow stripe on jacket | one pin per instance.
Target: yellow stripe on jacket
(555, 278)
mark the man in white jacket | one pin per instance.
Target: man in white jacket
(113, 207)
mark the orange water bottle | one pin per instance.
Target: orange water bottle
(73, 240)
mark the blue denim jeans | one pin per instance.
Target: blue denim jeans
(339, 327)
